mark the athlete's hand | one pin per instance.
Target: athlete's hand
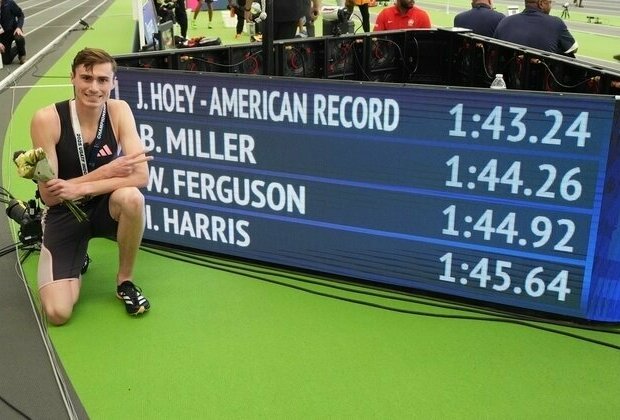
(64, 190)
(124, 166)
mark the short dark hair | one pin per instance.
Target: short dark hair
(89, 57)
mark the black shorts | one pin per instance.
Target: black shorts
(65, 240)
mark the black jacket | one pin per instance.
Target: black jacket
(288, 10)
(11, 16)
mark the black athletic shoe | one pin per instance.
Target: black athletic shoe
(129, 293)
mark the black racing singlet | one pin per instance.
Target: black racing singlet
(66, 149)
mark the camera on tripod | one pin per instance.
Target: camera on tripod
(338, 14)
(336, 20)
(168, 6)
(28, 216)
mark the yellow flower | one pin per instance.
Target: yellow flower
(33, 164)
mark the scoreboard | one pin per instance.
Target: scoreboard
(509, 197)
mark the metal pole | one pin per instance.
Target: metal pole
(268, 40)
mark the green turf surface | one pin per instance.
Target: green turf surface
(231, 340)
(237, 341)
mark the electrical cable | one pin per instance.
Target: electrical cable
(539, 61)
(47, 343)
(342, 58)
(400, 53)
(484, 63)
(17, 410)
(296, 53)
(360, 63)
(536, 61)
(495, 316)
(200, 59)
(41, 325)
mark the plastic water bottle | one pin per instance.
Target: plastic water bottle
(498, 82)
(251, 28)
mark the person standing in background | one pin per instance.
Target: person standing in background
(180, 13)
(363, 7)
(197, 10)
(286, 15)
(243, 11)
(404, 14)
(307, 22)
(534, 27)
(481, 18)
(11, 24)
(173, 10)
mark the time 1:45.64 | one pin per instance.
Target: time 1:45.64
(496, 275)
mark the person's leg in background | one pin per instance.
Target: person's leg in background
(284, 30)
(196, 13)
(365, 16)
(10, 51)
(240, 12)
(210, 12)
(181, 18)
(6, 53)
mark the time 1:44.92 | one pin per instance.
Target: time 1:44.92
(507, 124)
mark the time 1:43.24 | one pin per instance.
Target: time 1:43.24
(513, 128)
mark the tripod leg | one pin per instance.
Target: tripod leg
(8, 249)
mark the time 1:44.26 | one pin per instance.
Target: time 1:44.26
(566, 186)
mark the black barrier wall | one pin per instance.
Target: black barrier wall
(446, 57)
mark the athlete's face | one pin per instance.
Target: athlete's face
(405, 4)
(92, 87)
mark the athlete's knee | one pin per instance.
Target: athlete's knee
(134, 203)
(129, 201)
(58, 314)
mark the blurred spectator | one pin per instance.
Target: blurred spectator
(404, 14)
(173, 10)
(481, 18)
(363, 6)
(535, 28)
(197, 10)
(238, 8)
(286, 16)
(11, 24)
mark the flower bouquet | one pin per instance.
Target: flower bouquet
(34, 165)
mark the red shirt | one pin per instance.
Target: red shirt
(391, 18)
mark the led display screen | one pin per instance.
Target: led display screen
(508, 197)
